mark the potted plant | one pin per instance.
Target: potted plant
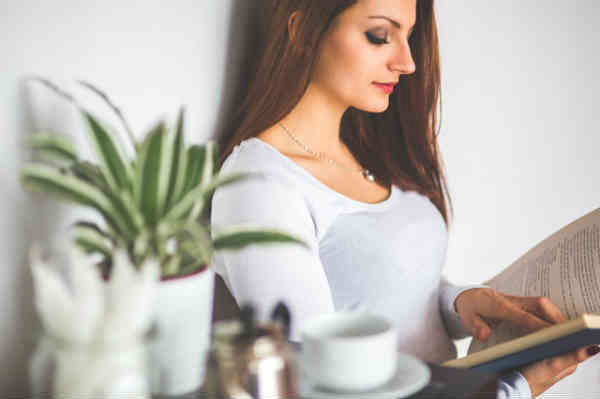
(152, 204)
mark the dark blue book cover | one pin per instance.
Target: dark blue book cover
(543, 351)
(542, 344)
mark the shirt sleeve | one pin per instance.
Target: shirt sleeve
(514, 386)
(510, 386)
(263, 274)
(448, 294)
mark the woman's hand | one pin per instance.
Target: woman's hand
(482, 309)
(545, 373)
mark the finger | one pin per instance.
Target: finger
(493, 323)
(588, 352)
(541, 306)
(558, 364)
(553, 312)
(562, 362)
(593, 350)
(480, 328)
(507, 310)
(565, 373)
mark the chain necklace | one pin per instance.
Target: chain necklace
(364, 172)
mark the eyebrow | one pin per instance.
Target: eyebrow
(395, 23)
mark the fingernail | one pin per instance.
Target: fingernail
(593, 350)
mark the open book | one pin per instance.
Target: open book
(565, 267)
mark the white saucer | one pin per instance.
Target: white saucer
(411, 376)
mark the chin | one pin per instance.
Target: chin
(374, 107)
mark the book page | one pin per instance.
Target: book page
(564, 267)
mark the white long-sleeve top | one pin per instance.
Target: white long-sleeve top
(385, 258)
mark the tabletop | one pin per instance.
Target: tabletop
(446, 383)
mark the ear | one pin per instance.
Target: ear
(293, 23)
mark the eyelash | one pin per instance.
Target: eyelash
(379, 40)
(376, 40)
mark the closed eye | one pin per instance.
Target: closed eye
(376, 40)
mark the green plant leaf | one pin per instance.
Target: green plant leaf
(113, 107)
(192, 267)
(195, 161)
(189, 264)
(206, 172)
(122, 200)
(132, 217)
(241, 236)
(90, 173)
(198, 242)
(167, 154)
(170, 266)
(92, 239)
(141, 247)
(67, 187)
(208, 166)
(54, 87)
(153, 172)
(169, 228)
(47, 179)
(197, 209)
(180, 180)
(203, 194)
(113, 163)
(92, 226)
(179, 163)
(53, 146)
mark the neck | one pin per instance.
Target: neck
(316, 121)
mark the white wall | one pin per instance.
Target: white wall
(519, 134)
(150, 56)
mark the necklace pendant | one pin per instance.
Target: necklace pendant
(368, 175)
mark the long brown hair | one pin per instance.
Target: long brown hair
(398, 145)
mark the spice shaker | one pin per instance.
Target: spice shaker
(251, 361)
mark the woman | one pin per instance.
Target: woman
(340, 122)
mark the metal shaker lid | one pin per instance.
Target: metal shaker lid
(224, 335)
(226, 329)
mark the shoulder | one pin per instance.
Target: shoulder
(258, 157)
(270, 192)
(263, 201)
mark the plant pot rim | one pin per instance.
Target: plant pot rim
(183, 276)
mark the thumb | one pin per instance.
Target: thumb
(480, 328)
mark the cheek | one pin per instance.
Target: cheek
(351, 67)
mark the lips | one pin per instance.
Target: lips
(386, 87)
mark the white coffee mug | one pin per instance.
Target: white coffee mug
(349, 351)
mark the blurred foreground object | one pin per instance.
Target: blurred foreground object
(153, 198)
(251, 361)
(93, 329)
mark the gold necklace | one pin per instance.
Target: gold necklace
(364, 172)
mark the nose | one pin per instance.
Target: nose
(402, 60)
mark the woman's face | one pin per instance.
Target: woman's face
(364, 47)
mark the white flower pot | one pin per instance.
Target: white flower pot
(183, 319)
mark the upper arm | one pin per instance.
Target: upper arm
(266, 273)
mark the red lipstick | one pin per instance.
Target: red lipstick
(386, 87)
